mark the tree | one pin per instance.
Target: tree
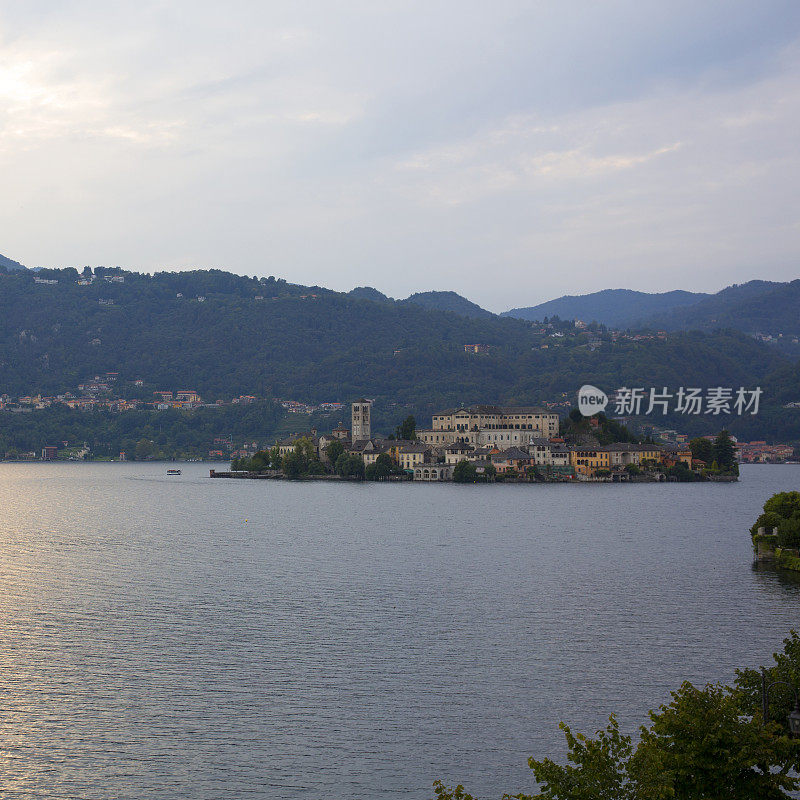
(350, 466)
(304, 448)
(600, 771)
(381, 469)
(333, 450)
(781, 511)
(786, 668)
(708, 743)
(784, 504)
(316, 467)
(144, 449)
(407, 429)
(724, 451)
(701, 746)
(465, 472)
(702, 449)
(294, 465)
(260, 461)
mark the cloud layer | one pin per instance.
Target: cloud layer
(511, 151)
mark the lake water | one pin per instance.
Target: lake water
(181, 637)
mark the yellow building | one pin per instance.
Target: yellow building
(624, 453)
(588, 461)
(411, 455)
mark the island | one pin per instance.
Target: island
(489, 444)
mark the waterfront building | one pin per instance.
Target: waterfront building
(434, 472)
(541, 451)
(511, 460)
(587, 461)
(411, 454)
(623, 453)
(559, 456)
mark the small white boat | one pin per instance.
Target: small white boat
(173, 472)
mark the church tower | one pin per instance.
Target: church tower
(360, 425)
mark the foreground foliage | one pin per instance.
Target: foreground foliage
(781, 511)
(708, 743)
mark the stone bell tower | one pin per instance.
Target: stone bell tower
(360, 423)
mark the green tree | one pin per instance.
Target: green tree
(702, 449)
(708, 743)
(381, 469)
(784, 504)
(305, 449)
(781, 511)
(407, 429)
(724, 451)
(702, 746)
(783, 675)
(789, 531)
(275, 457)
(333, 450)
(465, 472)
(294, 465)
(144, 449)
(769, 520)
(600, 770)
(260, 461)
(350, 466)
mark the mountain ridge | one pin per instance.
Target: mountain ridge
(9, 263)
(611, 307)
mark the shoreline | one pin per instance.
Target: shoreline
(279, 476)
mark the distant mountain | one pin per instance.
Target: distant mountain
(448, 301)
(9, 264)
(754, 307)
(617, 308)
(368, 293)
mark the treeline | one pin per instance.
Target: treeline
(141, 434)
(303, 461)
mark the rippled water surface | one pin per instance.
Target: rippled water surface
(178, 637)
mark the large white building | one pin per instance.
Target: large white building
(503, 426)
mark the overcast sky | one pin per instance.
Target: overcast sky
(510, 151)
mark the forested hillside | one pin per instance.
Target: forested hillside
(229, 335)
(753, 307)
